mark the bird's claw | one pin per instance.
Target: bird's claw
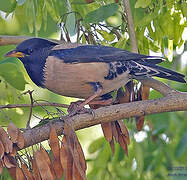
(76, 108)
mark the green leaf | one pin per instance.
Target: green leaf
(107, 36)
(122, 42)
(8, 5)
(10, 71)
(101, 13)
(142, 3)
(182, 145)
(115, 20)
(71, 24)
(96, 145)
(21, 2)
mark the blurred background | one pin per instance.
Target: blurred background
(161, 29)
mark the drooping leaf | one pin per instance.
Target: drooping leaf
(26, 172)
(7, 143)
(1, 167)
(107, 130)
(2, 150)
(54, 144)
(42, 165)
(19, 174)
(20, 140)
(101, 14)
(13, 132)
(35, 170)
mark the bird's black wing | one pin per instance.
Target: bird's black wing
(119, 60)
(98, 53)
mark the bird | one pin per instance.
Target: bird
(89, 72)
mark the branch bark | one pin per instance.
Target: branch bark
(14, 40)
(174, 101)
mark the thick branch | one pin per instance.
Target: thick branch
(108, 114)
(14, 40)
(164, 89)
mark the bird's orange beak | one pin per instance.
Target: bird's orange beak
(14, 53)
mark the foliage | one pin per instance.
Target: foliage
(159, 27)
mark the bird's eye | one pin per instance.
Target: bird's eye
(29, 51)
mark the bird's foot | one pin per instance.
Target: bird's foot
(78, 108)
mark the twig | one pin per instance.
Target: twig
(163, 88)
(32, 102)
(11, 106)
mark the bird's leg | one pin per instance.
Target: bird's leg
(79, 107)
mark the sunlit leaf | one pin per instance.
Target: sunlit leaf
(170, 50)
(184, 8)
(142, 3)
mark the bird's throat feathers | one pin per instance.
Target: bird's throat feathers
(34, 66)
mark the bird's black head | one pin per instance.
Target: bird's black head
(33, 53)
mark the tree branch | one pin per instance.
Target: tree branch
(107, 114)
(14, 40)
(11, 106)
(164, 89)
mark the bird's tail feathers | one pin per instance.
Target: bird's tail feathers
(149, 69)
